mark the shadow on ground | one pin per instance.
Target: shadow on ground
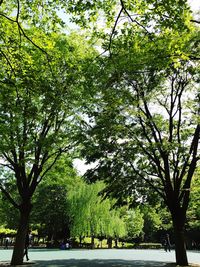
(100, 263)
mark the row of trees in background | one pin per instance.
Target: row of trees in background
(65, 206)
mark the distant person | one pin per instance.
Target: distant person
(30, 239)
(27, 241)
(63, 245)
(7, 242)
(167, 245)
(67, 246)
(193, 244)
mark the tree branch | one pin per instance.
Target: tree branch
(13, 163)
(3, 15)
(130, 17)
(113, 30)
(51, 165)
(29, 39)
(147, 181)
(195, 21)
(8, 166)
(21, 29)
(18, 11)
(8, 196)
(193, 149)
(8, 61)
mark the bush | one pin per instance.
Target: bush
(7, 232)
(149, 245)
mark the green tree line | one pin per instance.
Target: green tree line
(65, 206)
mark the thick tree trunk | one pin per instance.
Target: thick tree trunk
(180, 247)
(18, 252)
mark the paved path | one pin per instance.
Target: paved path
(100, 257)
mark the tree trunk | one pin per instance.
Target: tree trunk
(180, 247)
(116, 242)
(18, 251)
(92, 242)
(80, 241)
(109, 242)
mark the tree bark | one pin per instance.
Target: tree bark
(116, 242)
(18, 251)
(180, 246)
(109, 242)
(80, 240)
(92, 242)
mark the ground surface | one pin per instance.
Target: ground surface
(99, 258)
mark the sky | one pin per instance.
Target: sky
(195, 4)
(81, 167)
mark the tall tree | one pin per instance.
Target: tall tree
(39, 96)
(106, 18)
(145, 130)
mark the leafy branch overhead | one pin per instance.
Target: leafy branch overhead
(107, 19)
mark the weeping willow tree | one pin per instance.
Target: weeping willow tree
(92, 216)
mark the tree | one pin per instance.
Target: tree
(193, 218)
(36, 122)
(194, 207)
(152, 221)
(50, 203)
(134, 223)
(145, 129)
(90, 216)
(50, 211)
(107, 19)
